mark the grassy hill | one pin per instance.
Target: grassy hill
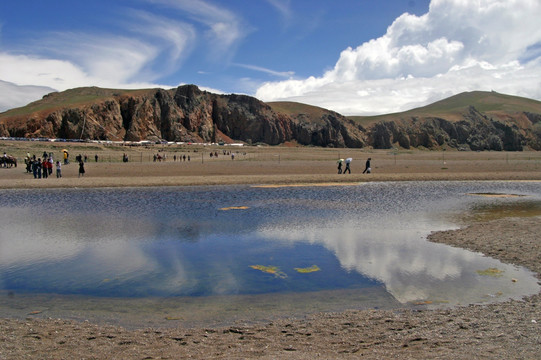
(452, 107)
(69, 98)
(297, 110)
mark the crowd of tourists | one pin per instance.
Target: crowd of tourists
(42, 167)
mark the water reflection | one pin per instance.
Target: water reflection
(181, 242)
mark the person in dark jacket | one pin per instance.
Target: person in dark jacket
(81, 168)
(367, 168)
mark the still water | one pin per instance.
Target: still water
(209, 242)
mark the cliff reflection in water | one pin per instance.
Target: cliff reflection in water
(206, 241)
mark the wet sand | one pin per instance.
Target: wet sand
(497, 331)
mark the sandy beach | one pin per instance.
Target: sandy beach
(507, 330)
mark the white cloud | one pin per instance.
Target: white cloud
(457, 46)
(63, 74)
(115, 58)
(15, 96)
(27, 78)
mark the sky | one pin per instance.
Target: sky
(356, 57)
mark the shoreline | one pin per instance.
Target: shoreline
(501, 330)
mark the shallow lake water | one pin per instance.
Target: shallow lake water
(212, 254)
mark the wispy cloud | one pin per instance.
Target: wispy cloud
(176, 39)
(116, 58)
(282, 74)
(283, 7)
(224, 29)
(457, 46)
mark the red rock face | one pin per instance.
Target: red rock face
(182, 114)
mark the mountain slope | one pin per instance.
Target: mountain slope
(182, 114)
(475, 120)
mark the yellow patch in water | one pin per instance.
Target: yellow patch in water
(275, 270)
(307, 270)
(234, 208)
(494, 272)
(424, 302)
(430, 302)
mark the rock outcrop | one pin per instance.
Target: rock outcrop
(189, 114)
(475, 131)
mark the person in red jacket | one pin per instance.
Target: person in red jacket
(45, 168)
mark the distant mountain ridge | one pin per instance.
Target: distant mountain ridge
(468, 121)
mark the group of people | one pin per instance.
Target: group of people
(42, 167)
(367, 169)
(160, 157)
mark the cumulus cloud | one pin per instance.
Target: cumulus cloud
(457, 46)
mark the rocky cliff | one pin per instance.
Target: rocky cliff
(475, 131)
(191, 115)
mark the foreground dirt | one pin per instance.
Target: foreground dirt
(509, 330)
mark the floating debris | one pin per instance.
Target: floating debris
(275, 270)
(172, 318)
(430, 302)
(307, 270)
(424, 302)
(496, 295)
(494, 272)
(234, 208)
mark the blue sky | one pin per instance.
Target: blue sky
(355, 57)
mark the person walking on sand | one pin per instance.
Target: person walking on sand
(367, 168)
(81, 168)
(347, 169)
(340, 166)
(58, 169)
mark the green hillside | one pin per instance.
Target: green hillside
(483, 101)
(69, 98)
